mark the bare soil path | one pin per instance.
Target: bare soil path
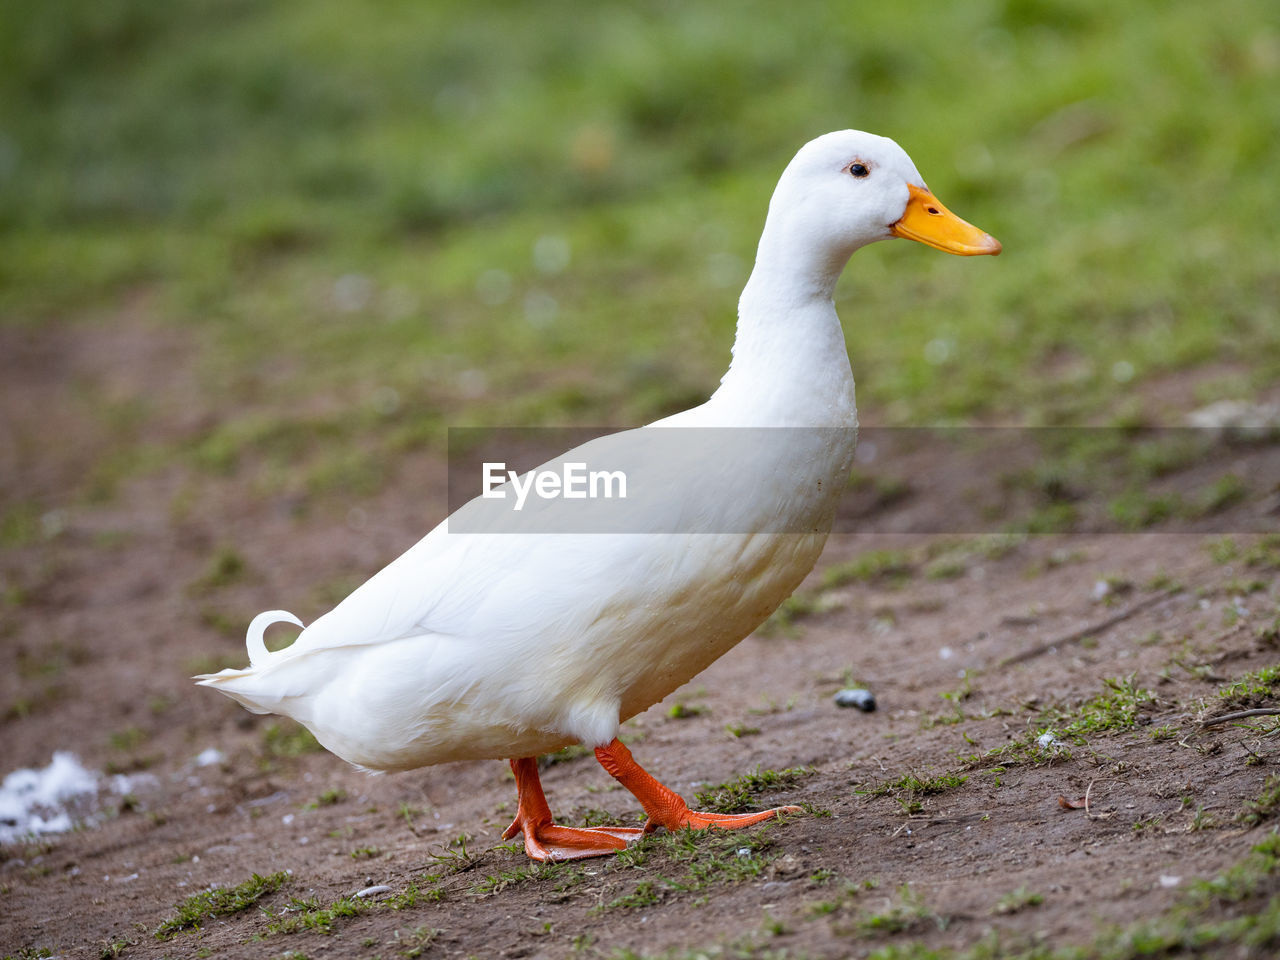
(936, 818)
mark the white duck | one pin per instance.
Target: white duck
(487, 644)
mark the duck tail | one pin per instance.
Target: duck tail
(258, 652)
(247, 693)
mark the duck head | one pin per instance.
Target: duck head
(847, 189)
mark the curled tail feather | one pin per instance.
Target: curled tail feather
(258, 652)
(248, 686)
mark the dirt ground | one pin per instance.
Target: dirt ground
(114, 603)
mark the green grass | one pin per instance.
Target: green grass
(1252, 689)
(128, 739)
(892, 566)
(691, 861)
(1017, 900)
(1234, 914)
(562, 875)
(908, 912)
(310, 915)
(1118, 708)
(738, 795)
(1264, 553)
(1268, 634)
(646, 894)
(370, 227)
(798, 606)
(908, 789)
(288, 739)
(1259, 553)
(1265, 806)
(939, 560)
(414, 943)
(219, 903)
(328, 798)
(685, 711)
(224, 568)
(114, 948)
(1106, 477)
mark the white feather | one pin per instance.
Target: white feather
(258, 652)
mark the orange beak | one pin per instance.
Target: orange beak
(928, 221)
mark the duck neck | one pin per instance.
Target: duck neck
(790, 363)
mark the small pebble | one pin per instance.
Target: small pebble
(373, 891)
(207, 758)
(856, 697)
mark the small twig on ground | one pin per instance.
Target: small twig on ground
(1017, 620)
(1088, 790)
(1090, 631)
(1241, 715)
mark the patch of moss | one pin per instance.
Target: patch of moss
(874, 566)
(908, 789)
(1251, 689)
(310, 915)
(219, 903)
(562, 875)
(737, 795)
(1265, 806)
(289, 739)
(707, 858)
(1118, 708)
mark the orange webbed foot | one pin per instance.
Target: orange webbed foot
(699, 820)
(545, 840)
(552, 842)
(665, 807)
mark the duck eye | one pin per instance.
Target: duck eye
(859, 170)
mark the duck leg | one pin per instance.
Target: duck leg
(665, 807)
(546, 840)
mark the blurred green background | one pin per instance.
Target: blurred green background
(384, 218)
